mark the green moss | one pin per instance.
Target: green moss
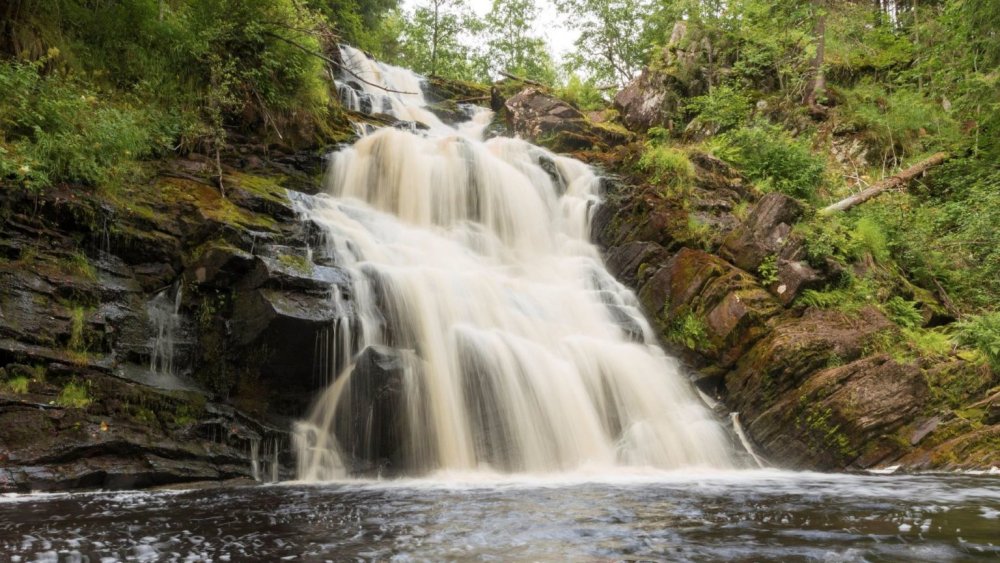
(17, 385)
(74, 395)
(209, 201)
(296, 262)
(822, 434)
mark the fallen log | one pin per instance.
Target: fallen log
(521, 79)
(892, 182)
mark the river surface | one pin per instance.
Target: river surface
(710, 516)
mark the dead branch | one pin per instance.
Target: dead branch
(897, 181)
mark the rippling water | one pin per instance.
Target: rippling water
(714, 516)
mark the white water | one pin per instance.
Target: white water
(519, 351)
(164, 314)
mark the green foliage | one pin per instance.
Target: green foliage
(724, 107)
(17, 385)
(608, 48)
(512, 46)
(584, 94)
(74, 396)
(870, 236)
(928, 343)
(55, 129)
(667, 166)
(431, 41)
(983, 333)
(689, 331)
(900, 123)
(768, 270)
(772, 158)
(827, 237)
(903, 312)
(78, 321)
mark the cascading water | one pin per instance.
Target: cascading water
(489, 334)
(164, 312)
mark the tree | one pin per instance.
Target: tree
(511, 47)
(609, 47)
(432, 39)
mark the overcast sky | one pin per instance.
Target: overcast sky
(548, 25)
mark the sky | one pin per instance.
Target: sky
(548, 25)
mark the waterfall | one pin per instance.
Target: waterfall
(164, 312)
(488, 333)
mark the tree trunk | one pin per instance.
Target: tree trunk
(434, 39)
(818, 85)
(892, 182)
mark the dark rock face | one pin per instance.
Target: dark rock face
(102, 382)
(373, 410)
(534, 114)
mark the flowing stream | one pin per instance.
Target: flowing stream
(490, 335)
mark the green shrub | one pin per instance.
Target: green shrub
(582, 93)
(667, 165)
(772, 158)
(869, 234)
(725, 107)
(59, 130)
(17, 385)
(689, 331)
(983, 333)
(900, 123)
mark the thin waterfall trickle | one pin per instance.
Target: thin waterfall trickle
(164, 312)
(487, 333)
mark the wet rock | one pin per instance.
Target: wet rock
(373, 421)
(535, 114)
(842, 416)
(655, 98)
(727, 300)
(764, 233)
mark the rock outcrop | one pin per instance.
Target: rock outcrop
(161, 335)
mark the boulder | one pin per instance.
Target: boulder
(534, 114)
(764, 233)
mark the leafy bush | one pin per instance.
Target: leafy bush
(900, 123)
(772, 158)
(582, 93)
(690, 332)
(667, 165)
(725, 107)
(983, 333)
(768, 270)
(870, 236)
(57, 130)
(825, 237)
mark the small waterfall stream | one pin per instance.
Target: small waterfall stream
(489, 335)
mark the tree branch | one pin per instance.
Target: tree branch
(339, 65)
(892, 182)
